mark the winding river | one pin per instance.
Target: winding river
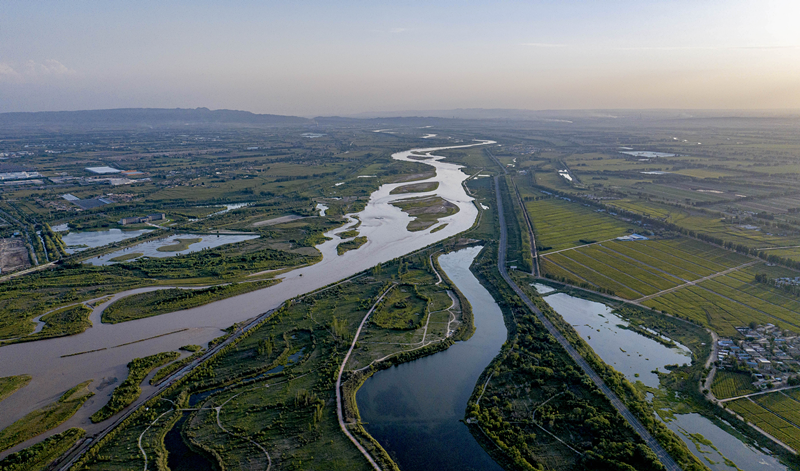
(384, 226)
(414, 409)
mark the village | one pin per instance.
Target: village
(768, 352)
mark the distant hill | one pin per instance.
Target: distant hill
(146, 117)
(568, 116)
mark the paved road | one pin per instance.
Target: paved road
(662, 454)
(528, 223)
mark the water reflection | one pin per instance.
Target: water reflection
(414, 409)
(114, 345)
(77, 241)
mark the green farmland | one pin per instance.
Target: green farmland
(683, 277)
(559, 224)
(768, 419)
(729, 384)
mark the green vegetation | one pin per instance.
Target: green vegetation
(157, 302)
(426, 211)
(179, 245)
(348, 245)
(348, 234)
(731, 384)
(9, 384)
(403, 308)
(37, 457)
(126, 257)
(538, 409)
(292, 411)
(127, 392)
(769, 421)
(415, 188)
(46, 418)
(66, 321)
(560, 224)
(166, 371)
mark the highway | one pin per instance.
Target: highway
(662, 454)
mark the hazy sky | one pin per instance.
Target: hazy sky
(321, 58)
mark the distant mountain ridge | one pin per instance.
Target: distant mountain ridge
(146, 117)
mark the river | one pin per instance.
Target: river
(414, 409)
(383, 224)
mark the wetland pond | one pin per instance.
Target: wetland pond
(414, 409)
(150, 249)
(636, 357)
(77, 241)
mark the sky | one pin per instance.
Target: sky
(312, 58)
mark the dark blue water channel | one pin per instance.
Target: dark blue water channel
(179, 456)
(414, 409)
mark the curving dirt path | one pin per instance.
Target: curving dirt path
(339, 414)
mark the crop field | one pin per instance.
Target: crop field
(767, 421)
(781, 405)
(634, 270)
(772, 205)
(673, 193)
(560, 224)
(732, 300)
(643, 268)
(731, 384)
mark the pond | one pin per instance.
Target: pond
(724, 445)
(414, 409)
(77, 241)
(632, 354)
(150, 249)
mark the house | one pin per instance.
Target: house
(142, 219)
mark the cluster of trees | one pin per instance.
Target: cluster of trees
(55, 246)
(575, 409)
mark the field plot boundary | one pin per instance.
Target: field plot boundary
(694, 282)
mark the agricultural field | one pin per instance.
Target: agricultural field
(560, 224)
(768, 420)
(684, 277)
(733, 300)
(635, 269)
(729, 384)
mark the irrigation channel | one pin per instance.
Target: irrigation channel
(112, 346)
(414, 409)
(636, 357)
